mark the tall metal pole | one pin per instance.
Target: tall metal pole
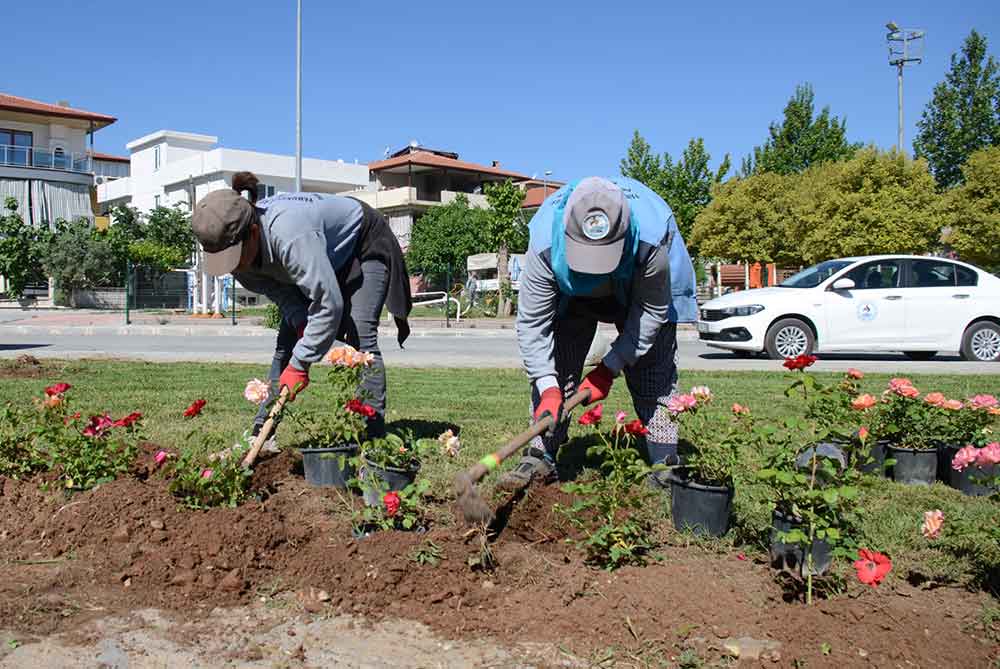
(298, 100)
(899, 79)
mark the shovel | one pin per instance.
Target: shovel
(266, 429)
(474, 509)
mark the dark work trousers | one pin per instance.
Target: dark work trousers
(363, 302)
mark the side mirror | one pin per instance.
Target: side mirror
(842, 284)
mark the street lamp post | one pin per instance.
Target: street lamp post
(545, 184)
(906, 45)
(298, 99)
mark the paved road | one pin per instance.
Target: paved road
(425, 349)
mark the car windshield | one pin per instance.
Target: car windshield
(815, 275)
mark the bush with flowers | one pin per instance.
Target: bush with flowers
(712, 439)
(905, 419)
(612, 509)
(201, 480)
(404, 509)
(49, 435)
(966, 423)
(343, 419)
(398, 450)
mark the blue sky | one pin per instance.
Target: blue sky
(537, 86)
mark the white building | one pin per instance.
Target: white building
(166, 166)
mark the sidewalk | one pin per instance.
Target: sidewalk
(93, 322)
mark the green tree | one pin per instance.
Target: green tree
(20, 250)
(445, 236)
(801, 139)
(79, 256)
(686, 185)
(973, 210)
(964, 114)
(877, 202)
(504, 231)
(748, 220)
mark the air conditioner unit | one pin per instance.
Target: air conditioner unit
(99, 180)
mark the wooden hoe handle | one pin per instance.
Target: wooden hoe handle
(266, 429)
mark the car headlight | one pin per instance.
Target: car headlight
(747, 310)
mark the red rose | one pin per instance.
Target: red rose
(129, 420)
(57, 389)
(872, 567)
(194, 409)
(636, 427)
(799, 362)
(391, 501)
(357, 406)
(592, 416)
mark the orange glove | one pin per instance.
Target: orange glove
(598, 382)
(549, 404)
(294, 379)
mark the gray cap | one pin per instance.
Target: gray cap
(220, 222)
(596, 221)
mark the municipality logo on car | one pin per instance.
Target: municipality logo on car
(867, 311)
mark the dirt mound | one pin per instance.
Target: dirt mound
(128, 545)
(23, 367)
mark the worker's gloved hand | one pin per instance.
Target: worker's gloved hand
(550, 404)
(598, 382)
(294, 379)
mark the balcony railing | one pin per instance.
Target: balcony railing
(26, 156)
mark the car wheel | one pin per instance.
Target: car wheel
(788, 338)
(981, 342)
(920, 355)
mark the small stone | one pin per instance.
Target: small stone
(127, 582)
(489, 585)
(183, 577)
(323, 596)
(440, 597)
(121, 535)
(748, 648)
(862, 652)
(156, 524)
(207, 581)
(291, 632)
(232, 581)
(720, 632)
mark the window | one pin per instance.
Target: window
(156, 200)
(264, 191)
(59, 158)
(966, 276)
(15, 147)
(940, 273)
(875, 275)
(815, 275)
(156, 157)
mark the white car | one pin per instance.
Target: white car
(914, 304)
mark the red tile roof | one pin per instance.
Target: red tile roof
(535, 196)
(24, 105)
(107, 156)
(433, 160)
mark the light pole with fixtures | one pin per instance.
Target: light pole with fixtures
(906, 45)
(545, 184)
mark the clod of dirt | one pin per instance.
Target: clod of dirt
(183, 578)
(121, 535)
(232, 582)
(156, 524)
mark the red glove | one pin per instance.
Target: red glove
(550, 403)
(598, 382)
(294, 379)
(301, 330)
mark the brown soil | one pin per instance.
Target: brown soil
(128, 545)
(23, 367)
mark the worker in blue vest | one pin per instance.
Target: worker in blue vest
(608, 251)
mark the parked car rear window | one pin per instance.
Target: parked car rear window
(933, 274)
(966, 276)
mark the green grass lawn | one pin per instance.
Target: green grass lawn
(490, 406)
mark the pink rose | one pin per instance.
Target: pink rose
(988, 455)
(933, 520)
(620, 418)
(908, 391)
(257, 391)
(983, 402)
(160, 457)
(897, 383)
(862, 402)
(935, 399)
(855, 374)
(681, 403)
(740, 410)
(953, 405)
(965, 457)
(863, 433)
(206, 473)
(701, 393)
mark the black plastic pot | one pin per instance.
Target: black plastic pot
(877, 466)
(329, 467)
(377, 480)
(792, 556)
(965, 480)
(699, 508)
(914, 466)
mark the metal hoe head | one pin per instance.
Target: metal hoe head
(474, 509)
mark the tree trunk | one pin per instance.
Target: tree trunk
(503, 303)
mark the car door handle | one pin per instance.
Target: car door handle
(961, 296)
(893, 297)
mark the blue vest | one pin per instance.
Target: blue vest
(651, 221)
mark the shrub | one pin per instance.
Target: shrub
(201, 481)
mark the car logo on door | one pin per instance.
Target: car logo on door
(867, 311)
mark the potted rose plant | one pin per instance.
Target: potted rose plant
(911, 424)
(702, 489)
(968, 425)
(391, 463)
(332, 435)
